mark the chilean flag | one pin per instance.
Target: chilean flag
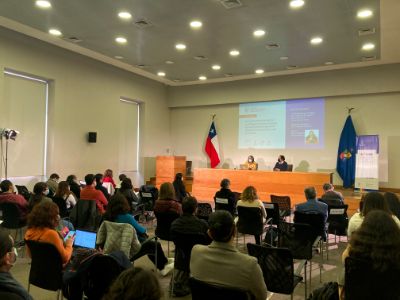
(212, 146)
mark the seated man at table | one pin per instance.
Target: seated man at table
(312, 205)
(221, 263)
(331, 197)
(281, 164)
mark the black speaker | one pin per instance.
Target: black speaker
(92, 137)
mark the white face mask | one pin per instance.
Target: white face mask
(14, 250)
(46, 192)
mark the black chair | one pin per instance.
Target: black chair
(290, 168)
(203, 290)
(148, 196)
(362, 282)
(273, 215)
(223, 204)
(62, 206)
(204, 210)
(11, 219)
(284, 203)
(338, 220)
(84, 215)
(46, 267)
(10, 296)
(250, 221)
(277, 267)
(164, 221)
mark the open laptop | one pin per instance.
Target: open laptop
(85, 239)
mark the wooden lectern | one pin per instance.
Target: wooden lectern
(168, 166)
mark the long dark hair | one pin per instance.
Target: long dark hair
(116, 206)
(373, 201)
(377, 241)
(37, 195)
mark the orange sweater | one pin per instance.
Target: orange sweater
(51, 236)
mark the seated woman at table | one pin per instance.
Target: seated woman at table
(250, 164)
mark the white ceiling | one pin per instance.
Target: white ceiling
(96, 24)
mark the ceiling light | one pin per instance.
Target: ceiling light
(43, 4)
(121, 40)
(55, 32)
(259, 33)
(196, 24)
(284, 58)
(368, 46)
(296, 3)
(259, 71)
(316, 40)
(216, 67)
(125, 15)
(202, 77)
(180, 46)
(365, 13)
(161, 74)
(118, 57)
(234, 52)
(329, 63)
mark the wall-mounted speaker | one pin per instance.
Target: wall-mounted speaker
(92, 137)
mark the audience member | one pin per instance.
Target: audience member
(393, 203)
(166, 200)
(52, 183)
(331, 197)
(221, 263)
(135, 284)
(40, 191)
(42, 224)
(377, 241)
(8, 257)
(226, 193)
(8, 196)
(74, 185)
(90, 193)
(108, 177)
(118, 211)
(371, 201)
(179, 187)
(64, 192)
(312, 205)
(121, 177)
(250, 164)
(99, 185)
(281, 164)
(127, 190)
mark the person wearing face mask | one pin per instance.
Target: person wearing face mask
(281, 164)
(251, 164)
(8, 257)
(74, 185)
(40, 192)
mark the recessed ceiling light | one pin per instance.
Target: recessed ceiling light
(118, 57)
(202, 77)
(284, 58)
(368, 46)
(259, 33)
(365, 13)
(121, 40)
(316, 40)
(196, 24)
(55, 32)
(125, 15)
(329, 63)
(161, 74)
(234, 52)
(216, 67)
(180, 46)
(296, 3)
(169, 62)
(259, 71)
(43, 4)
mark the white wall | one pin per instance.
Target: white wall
(84, 96)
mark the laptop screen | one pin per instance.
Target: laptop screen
(85, 239)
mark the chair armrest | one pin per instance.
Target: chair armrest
(317, 239)
(300, 267)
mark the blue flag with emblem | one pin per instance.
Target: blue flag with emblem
(346, 159)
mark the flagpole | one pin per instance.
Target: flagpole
(213, 116)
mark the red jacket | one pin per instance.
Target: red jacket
(20, 201)
(90, 193)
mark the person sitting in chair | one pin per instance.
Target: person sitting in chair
(312, 205)
(250, 164)
(226, 193)
(281, 164)
(331, 197)
(8, 196)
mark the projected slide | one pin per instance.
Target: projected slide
(282, 124)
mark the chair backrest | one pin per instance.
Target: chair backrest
(277, 267)
(84, 215)
(164, 221)
(62, 206)
(204, 210)
(10, 215)
(337, 219)
(10, 296)
(316, 221)
(183, 247)
(250, 220)
(203, 290)
(272, 210)
(223, 204)
(148, 195)
(283, 202)
(46, 266)
(290, 168)
(298, 238)
(363, 282)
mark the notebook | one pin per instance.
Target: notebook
(85, 239)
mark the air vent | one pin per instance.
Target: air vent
(200, 57)
(176, 80)
(271, 46)
(368, 58)
(366, 31)
(291, 67)
(142, 23)
(228, 74)
(73, 39)
(228, 4)
(141, 66)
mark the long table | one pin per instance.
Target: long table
(207, 181)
